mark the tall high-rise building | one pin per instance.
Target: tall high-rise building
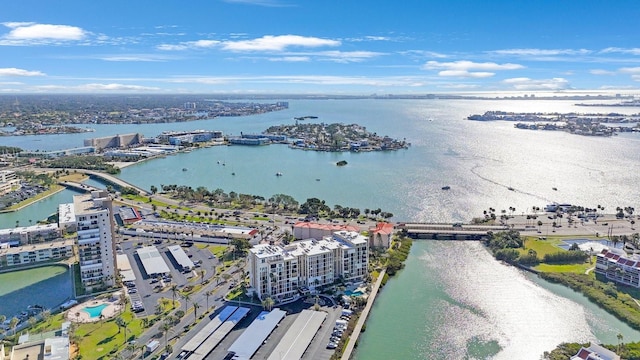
(96, 239)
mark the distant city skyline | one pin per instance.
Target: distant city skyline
(327, 47)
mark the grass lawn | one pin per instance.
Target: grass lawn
(75, 177)
(102, 339)
(564, 268)
(541, 247)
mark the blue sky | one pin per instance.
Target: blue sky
(308, 47)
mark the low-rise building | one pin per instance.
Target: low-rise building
(314, 230)
(283, 272)
(595, 352)
(24, 235)
(616, 265)
(53, 345)
(8, 180)
(380, 236)
(29, 254)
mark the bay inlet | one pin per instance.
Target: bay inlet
(452, 300)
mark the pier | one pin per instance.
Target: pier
(450, 232)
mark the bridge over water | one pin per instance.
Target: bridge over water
(449, 231)
(113, 180)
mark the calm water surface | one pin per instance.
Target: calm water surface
(48, 286)
(452, 301)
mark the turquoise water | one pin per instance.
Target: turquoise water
(453, 301)
(95, 311)
(353, 293)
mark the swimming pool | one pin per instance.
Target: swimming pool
(353, 293)
(95, 311)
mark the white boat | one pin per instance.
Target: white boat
(278, 174)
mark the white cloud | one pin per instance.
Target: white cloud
(465, 68)
(601, 72)
(630, 70)
(198, 44)
(635, 77)
(277, 43)
(30, 31)
(116, 87)
(305, 79)
(265, 43)
(465, 73)
(524, 83)
(291, 59)
(133, 58)
(348, 56)
(541, 52)
(631, 51)
(19, 72)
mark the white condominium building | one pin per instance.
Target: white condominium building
(281, 272)
(8, 180)
(96, 239)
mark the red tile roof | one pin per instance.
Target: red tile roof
(331, 227)
(383, 228)
(583, 353)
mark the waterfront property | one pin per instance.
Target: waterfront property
(313, 230)
(96, 239)
(284, 272)
(616, 265)
(25, 235)
(30, 254)
(595, 352)
(96, 310)
(380, 235)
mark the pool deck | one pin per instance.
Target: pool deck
(79, 315)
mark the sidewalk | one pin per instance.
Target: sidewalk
(363, 318)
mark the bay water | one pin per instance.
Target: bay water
(462, 303)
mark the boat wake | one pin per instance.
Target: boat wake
(508, 187)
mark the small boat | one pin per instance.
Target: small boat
(554, 188)
(234, 174)
(446, 187)
(278, 174)
(511, 189)
(184, 169)
(317, 179)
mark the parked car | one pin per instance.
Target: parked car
(332, 345)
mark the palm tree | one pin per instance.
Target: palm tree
(268, 303)
(186, 298)
(13, 324)
(620, 343)
(207, 294)
(196, 306)
(174, 292)
(201, 272)
(165, 328)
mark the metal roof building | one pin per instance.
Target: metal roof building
(214, 324)
(212, 341)
(297, 339)
(181, 257)
(152, 261)
(255, 334)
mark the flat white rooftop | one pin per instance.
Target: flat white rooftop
(180, 256)
(152, 261)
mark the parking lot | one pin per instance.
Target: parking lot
(148, 290)
(317, 349)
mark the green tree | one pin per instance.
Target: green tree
(196, 306)
(174, 292)
(268, 303)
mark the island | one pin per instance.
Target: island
(334, 137)
(574, 123)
